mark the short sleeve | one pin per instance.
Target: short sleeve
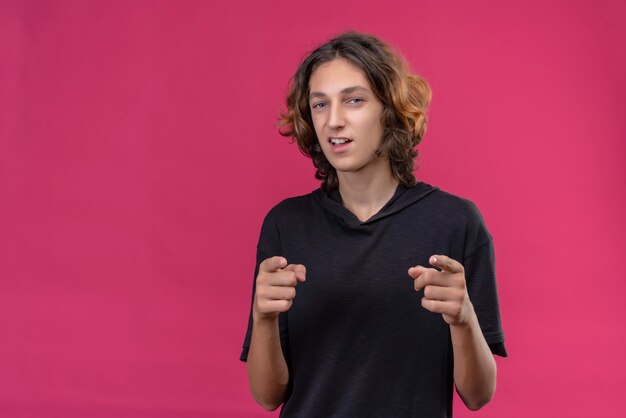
(480, 275)
(268, 246)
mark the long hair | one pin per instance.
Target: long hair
(405, 97)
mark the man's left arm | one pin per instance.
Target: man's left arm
(445, 292)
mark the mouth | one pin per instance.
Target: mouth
(336, 141)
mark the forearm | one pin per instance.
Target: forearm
(474, 365)
(267, 370)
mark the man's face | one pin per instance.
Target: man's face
(346, 115)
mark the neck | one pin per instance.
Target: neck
(364, 193)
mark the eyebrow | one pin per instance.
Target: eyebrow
(347, 90)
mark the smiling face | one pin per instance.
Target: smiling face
(346, 114)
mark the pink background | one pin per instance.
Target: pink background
(138, 157)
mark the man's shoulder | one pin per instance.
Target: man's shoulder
(293, 206)
(448, 204)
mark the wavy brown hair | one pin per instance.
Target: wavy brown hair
(405, 97)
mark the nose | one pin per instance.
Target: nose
(336, 119)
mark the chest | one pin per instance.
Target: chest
(357, 279)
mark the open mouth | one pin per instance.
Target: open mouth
(339, 141)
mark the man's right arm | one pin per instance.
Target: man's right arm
(275, 291)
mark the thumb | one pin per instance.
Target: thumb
(272, 264)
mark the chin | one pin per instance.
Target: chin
(345, 167)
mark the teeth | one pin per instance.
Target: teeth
(337, 141)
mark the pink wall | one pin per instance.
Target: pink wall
(138, 157)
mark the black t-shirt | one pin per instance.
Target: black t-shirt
(357, 341)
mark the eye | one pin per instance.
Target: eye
(318, 105)
(356, 100)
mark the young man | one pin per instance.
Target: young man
(375, 294)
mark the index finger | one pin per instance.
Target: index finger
(299, 269)
(272, 264)
(423, 276)
(446, 263)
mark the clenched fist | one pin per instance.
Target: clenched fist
(276, 287)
